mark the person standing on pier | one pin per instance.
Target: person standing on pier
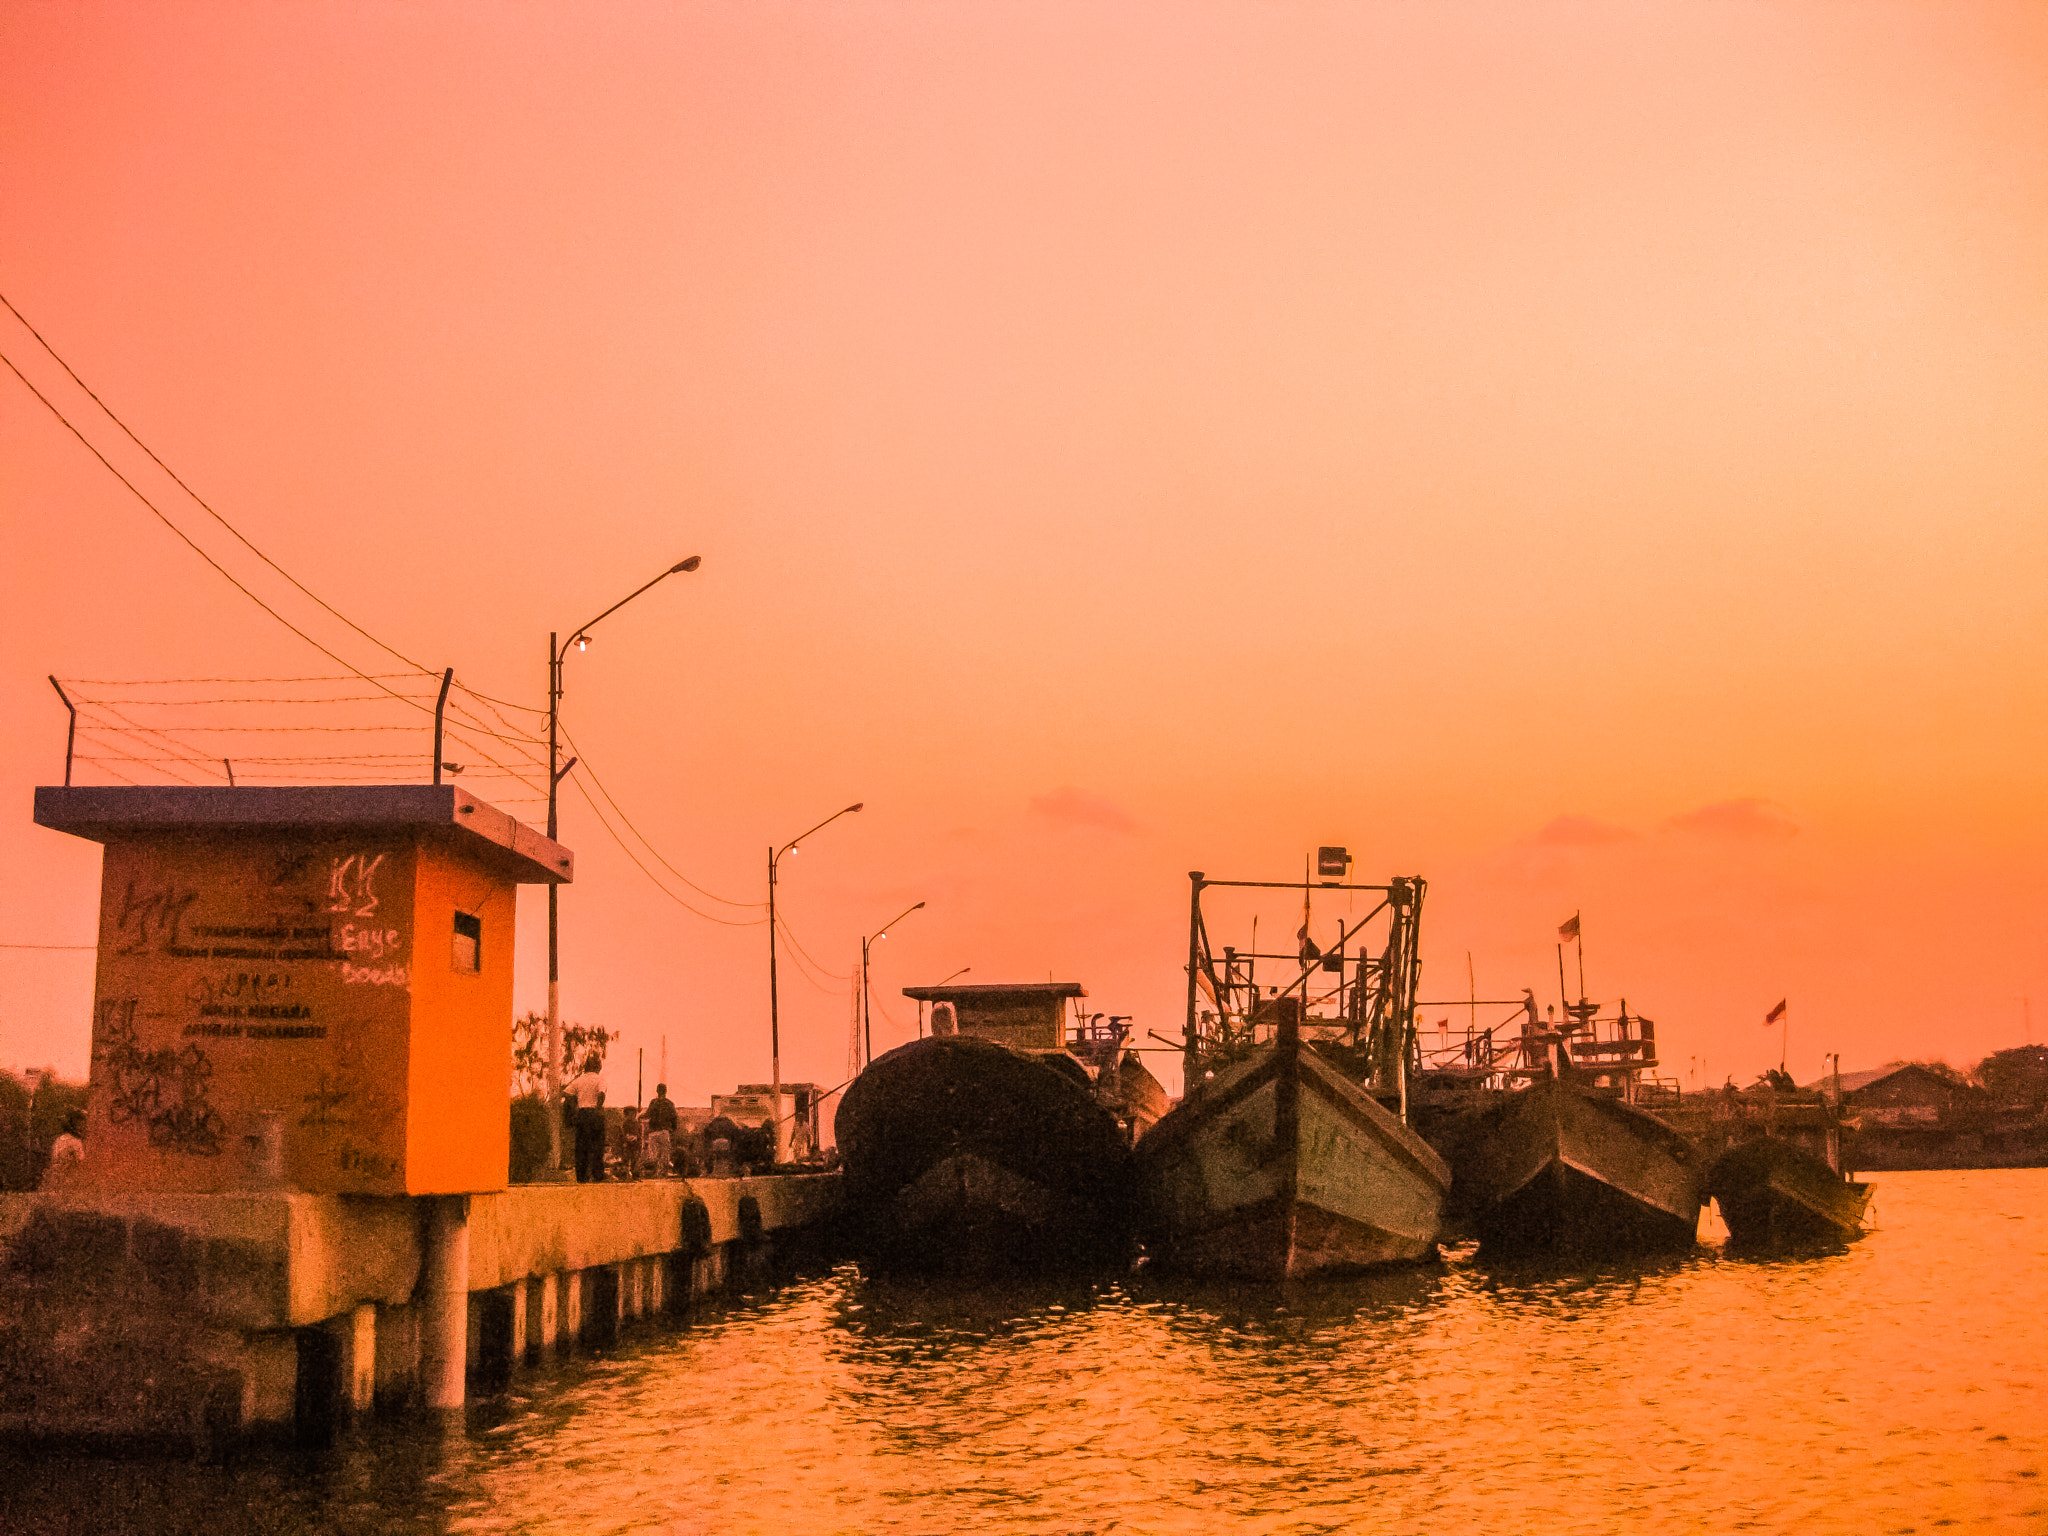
(586, 1091)
(661, 1129)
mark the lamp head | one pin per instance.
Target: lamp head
(686, 565)
(853, 807)
(583, 642)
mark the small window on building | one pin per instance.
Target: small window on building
(469, 942)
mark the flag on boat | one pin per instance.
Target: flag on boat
(1309, 953)
(1569, 930)
(1775, 1014)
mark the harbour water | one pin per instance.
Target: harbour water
(1899, 1384)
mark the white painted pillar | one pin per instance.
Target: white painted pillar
(360, 1383)
(572, 1308)
(550, 1314)
(444, 1309)
(519, 1323)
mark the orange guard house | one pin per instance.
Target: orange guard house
(302, 988)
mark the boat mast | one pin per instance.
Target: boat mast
(1191, 1051)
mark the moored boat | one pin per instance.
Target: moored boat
(1281, 1168)
(965, 1154)
(1773, 1193)
(1562, 1167)
(1281, 1163)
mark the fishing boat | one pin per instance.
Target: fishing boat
(1281, 1163)
(1562, 1166)
(1773, 1193)
(968, 1153)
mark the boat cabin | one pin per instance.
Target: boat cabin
(1026, 1016)
(1032, 1016)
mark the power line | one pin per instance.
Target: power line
(727, 922)
(782, 923)
(614, 804)
(321, 602)
(160, 464)
(192, 544)
(184, 537)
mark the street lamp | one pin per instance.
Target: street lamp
(774, 1013)
(867, 1016)
(580, 638)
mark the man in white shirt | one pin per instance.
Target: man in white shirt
(586, 1091)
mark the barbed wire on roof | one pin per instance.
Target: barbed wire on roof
(190, 682)
(117, 726)
(531, 709)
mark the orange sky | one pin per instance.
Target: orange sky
(1590, 456)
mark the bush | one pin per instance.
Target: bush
(529, 1137)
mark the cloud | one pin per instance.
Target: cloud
(1748, 820)
(1077, 808)
(1581, 832)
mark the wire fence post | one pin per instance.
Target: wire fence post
(440, 718)
(71, 731)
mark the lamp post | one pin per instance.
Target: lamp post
(920, 1007)
(867, 1018)
(580, 637)
(774, 1012)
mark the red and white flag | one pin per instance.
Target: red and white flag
(1775, 1014)
(1569, 930)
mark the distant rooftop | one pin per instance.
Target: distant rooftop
(1851, 1081)
(111, 812)
(989, 991)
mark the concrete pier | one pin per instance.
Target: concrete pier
(265, 1312)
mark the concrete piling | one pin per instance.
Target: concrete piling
(444, 1294)
(277, 1311)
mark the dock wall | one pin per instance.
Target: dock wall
(128, 1315)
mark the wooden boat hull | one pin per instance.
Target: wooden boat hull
(1773, 1194)
(1558, 1168)
(1281, 1169)
(962, 1155)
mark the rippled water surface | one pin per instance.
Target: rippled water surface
(1897, 1385)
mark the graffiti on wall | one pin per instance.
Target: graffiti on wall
(352, 884)
(151, 918)
(165, 1090)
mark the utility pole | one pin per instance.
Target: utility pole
(774, 1004)
(557, 770)
(867, 1018)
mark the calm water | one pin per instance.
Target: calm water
(1899, 1385)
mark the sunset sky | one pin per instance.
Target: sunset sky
(1590, 456)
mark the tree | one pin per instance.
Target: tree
(2015, 1076)
(529, 1053)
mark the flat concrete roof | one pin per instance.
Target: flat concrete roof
(990, 991)
(105, 813)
